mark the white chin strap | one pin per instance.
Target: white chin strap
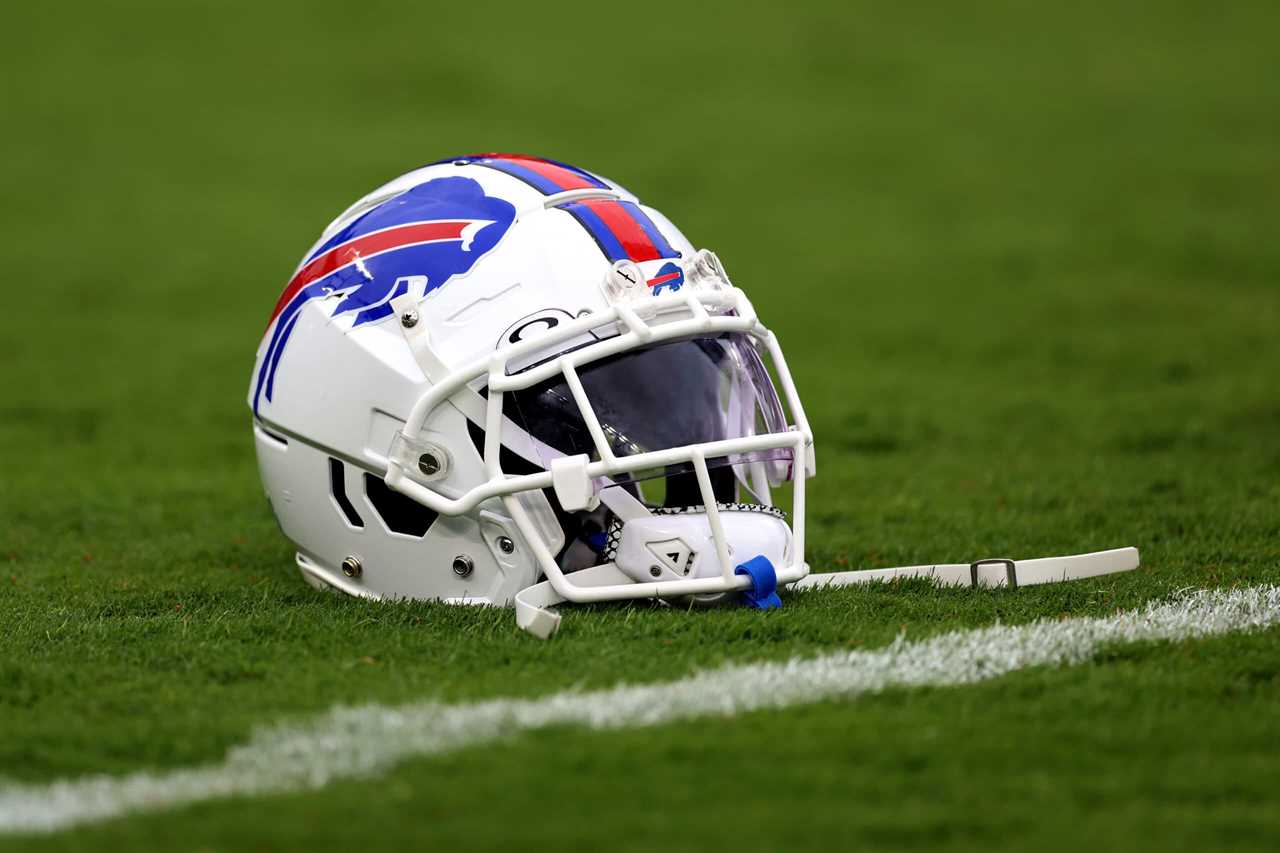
(991, 572)
(534, 613)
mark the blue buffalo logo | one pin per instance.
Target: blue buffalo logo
(420, 238)
(670, 277)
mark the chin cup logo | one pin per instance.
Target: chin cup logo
(674, 555)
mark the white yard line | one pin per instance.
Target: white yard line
(370, 739)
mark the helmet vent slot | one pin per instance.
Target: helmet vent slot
(338, 486)
(399, 513)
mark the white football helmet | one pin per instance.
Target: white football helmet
(503, 380)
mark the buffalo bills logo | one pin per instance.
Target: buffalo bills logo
(670, 277)
(420, 238)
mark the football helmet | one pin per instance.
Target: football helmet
(503, 380)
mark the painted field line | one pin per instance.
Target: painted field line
(354, 741)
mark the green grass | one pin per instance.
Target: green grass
(1024, 263)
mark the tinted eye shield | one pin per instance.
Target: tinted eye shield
(678, 393)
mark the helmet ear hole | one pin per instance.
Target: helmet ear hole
(399, 513)
(338, 488)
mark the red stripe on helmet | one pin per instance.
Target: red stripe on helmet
(624, 226)
(341, 255)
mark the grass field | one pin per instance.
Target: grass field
(1024, 260)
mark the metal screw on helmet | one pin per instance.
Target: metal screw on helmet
(351, 567)
(655, 571)
(505, 545)
(409, 319)
(462, 565)
(428, 464)
(624, 281)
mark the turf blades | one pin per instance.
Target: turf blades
(354, 741)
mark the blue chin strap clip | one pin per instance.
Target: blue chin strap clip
(763, 592)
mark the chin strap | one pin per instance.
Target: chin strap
(991, 572)
(534, 603)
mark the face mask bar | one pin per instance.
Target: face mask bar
(640, 321)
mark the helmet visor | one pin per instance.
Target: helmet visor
(664, 396)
